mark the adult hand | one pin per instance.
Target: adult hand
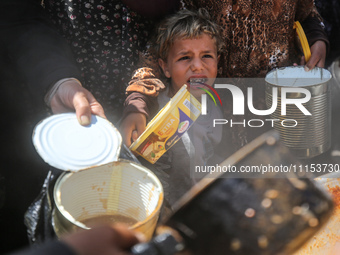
(103, 240)
(70, 96)
(318, 56)
(132, 127)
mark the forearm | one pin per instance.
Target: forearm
(314, 30)
(311, 22)
(140, 103)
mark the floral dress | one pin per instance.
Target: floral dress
(105, 37)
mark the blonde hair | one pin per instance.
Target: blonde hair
(185, 24)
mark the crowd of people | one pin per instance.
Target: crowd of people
(100, 57)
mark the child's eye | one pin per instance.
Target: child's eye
(208, 56)
(183, 58)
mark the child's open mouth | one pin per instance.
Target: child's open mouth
(197, 82)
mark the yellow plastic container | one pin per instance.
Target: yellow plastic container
(167, 127)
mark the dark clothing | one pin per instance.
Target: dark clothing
(106, 38)
(29, 44)
(330, 12)
(49, 248)
(40, 56)
(22, 171)
(103, 41)
(34, 55)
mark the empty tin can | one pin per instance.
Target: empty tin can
(306, 135)
(97, 186)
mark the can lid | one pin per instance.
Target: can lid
(64, 144)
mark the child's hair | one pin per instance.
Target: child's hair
(185, 24)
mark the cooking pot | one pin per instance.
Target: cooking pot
(272, 214)
(325, 241)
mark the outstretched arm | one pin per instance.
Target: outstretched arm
(142, 92)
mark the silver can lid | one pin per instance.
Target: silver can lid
(64, 144)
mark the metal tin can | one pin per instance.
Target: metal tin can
(97, 187)
(122, 190)
(311, 134)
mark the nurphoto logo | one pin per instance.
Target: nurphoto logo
(238, 100)
(280, 98)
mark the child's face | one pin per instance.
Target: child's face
(191, 59)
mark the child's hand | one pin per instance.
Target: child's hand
(318, 56)
(132, 127)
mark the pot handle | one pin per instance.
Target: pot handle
(164, 244)
(303, 40)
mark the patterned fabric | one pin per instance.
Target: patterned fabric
(145, 81)
(259, 34)
(106, 38)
